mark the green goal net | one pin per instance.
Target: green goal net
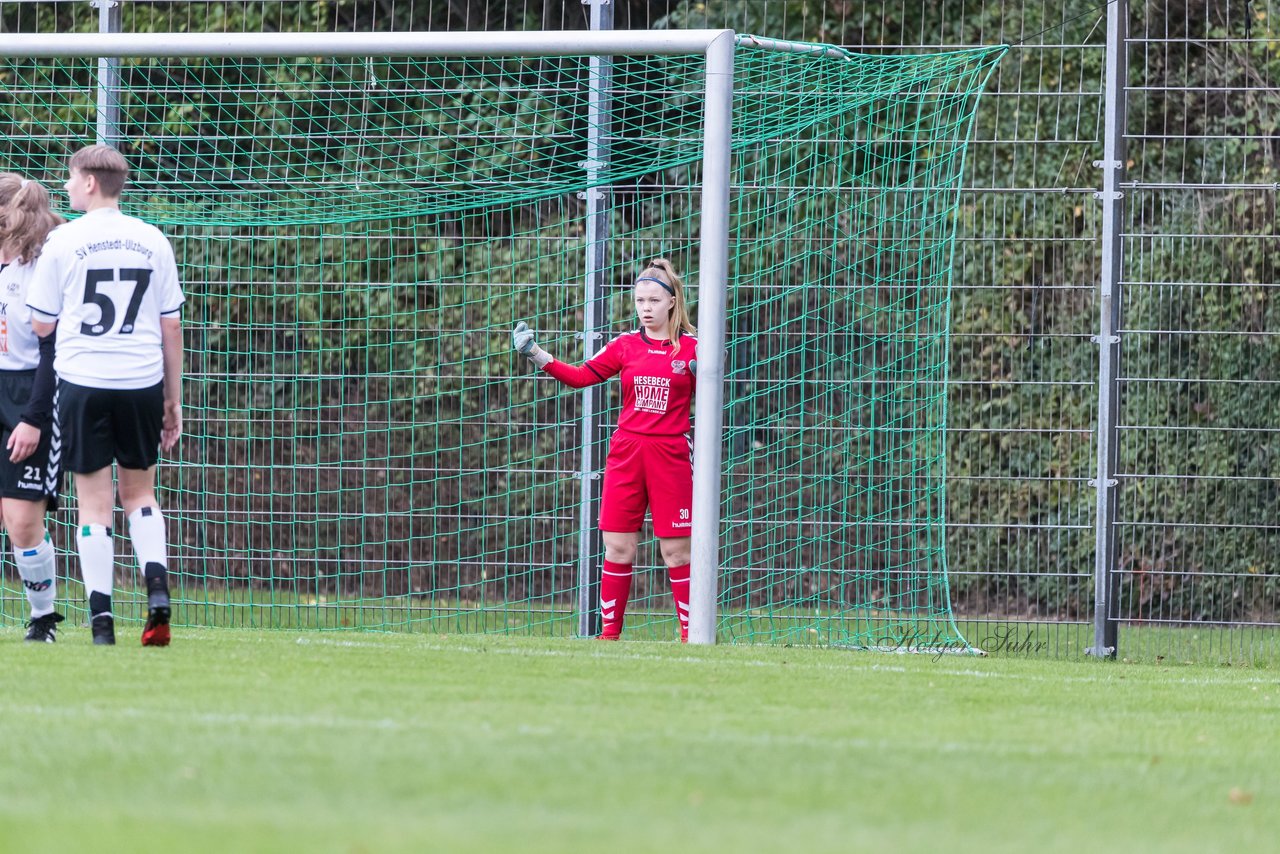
(358, 236)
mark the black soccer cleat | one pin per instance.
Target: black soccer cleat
(104, 630)
(44, 629)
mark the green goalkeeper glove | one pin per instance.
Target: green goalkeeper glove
(522, 340)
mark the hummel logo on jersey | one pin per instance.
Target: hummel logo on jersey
(652, 393)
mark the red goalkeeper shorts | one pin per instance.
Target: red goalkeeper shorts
(648, 471)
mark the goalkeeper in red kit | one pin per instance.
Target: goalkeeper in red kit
(650, 463)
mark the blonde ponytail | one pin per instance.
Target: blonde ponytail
(25, 217)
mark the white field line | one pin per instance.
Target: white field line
(843, 661)
(844, 665)
(239, 721)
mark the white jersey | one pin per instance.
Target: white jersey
(19, 347)
(108, 278)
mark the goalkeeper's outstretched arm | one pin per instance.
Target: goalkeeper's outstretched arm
(577, 376)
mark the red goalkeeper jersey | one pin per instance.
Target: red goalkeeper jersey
(657, 387)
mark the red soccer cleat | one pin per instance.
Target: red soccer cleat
(155, 634)
(156, 631)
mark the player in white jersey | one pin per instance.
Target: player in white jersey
(109, 284)
(29, 472)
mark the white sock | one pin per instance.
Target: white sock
(97, 560)
(146, 530)
(39, 576)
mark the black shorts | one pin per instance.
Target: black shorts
(39, 476)
(102, 425)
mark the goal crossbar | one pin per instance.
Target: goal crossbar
(404, 44)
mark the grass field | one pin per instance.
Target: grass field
(243, 740)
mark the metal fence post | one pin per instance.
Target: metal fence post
(1108, 338)
(108, 76)
(594, 323)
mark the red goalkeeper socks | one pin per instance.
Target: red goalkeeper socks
(679, 576)
(615, 590)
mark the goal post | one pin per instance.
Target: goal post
(362, 217)
(704, 565)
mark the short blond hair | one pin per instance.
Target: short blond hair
(105, 164)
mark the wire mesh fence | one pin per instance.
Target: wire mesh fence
(1196, 496)
(1196, 515)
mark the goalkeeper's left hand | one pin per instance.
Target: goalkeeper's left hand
(522, 340)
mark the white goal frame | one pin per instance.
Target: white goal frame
(717, 46)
